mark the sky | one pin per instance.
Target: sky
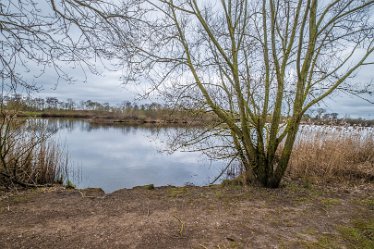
(108, 87)
(348, 105)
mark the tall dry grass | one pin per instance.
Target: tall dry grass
(328, 154)
(27, 157)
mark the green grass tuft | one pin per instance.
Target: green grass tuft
(359, 235)
(70, 185)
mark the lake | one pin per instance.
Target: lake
(112, 157)
(115, 157)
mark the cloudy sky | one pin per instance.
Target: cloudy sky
(108, 87)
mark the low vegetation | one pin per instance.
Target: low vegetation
(27, 157)
(330, 155)
(358, 235)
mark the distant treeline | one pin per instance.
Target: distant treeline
(19, 102)
(98, 112)
(320, 116)
(128, 112)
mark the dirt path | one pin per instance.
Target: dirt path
(189, 217)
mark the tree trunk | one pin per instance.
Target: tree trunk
(282, 165)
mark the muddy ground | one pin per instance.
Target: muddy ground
(294, 216)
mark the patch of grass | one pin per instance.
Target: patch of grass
(311, 231)
(368, 202)
(19, 199)
(322, 242)
(177, 192)
(70, 185)
(307, 182)
(31, 113)
(147, 187)
(232, 182)
(218, 194)
(303, 187)
(2, 210)
(302, 199)
(22, 197)
(328, 202)
(276, 222)
(359, 235)
(326, 242)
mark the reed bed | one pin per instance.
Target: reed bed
(28, 158)
(326, 154)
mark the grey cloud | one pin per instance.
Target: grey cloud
(108, 88)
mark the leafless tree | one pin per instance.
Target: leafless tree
(258, 65)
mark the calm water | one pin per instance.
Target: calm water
(115, 157)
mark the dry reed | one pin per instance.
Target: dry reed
(328, 154)
(28, 158)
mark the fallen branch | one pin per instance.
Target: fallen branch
(181, 229)
(24, 184)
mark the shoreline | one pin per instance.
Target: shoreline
(189, 217)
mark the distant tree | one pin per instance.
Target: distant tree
(326, 116)
(70, 104)
(334, 115)
(40, 103)
(106, 106)
(135, 107)
(52, 102)
(320, 112)
(154, 106)
(127, 105)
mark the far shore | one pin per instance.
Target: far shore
(113, 118)
(172, 118)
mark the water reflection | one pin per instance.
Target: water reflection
(114, 157)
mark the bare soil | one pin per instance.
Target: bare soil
(294, 216)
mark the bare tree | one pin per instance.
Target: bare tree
(258, 65)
